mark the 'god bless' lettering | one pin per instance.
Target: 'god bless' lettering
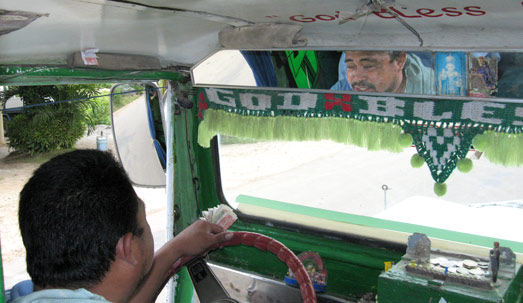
(418, 13)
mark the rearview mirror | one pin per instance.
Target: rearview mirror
(137, 119)
(433, 73)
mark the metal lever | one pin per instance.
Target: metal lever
(208, 288)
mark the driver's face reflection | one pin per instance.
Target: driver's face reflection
(369, 71)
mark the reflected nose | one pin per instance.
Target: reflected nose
(357, 74)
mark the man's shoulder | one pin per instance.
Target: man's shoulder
(61, 296)
(420, 78)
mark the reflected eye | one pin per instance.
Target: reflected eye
(351, 66)
(369, 67)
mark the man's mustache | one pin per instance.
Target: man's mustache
(363, 83)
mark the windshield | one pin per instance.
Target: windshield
(396, 147)
(487, 201)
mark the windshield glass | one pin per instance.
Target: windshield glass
(486, 201)
(429, 138)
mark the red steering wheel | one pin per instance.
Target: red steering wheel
(265, 243)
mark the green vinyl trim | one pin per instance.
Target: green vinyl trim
(49, 75)
(379, 223)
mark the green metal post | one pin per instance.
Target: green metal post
(184, 290)
(185, 189)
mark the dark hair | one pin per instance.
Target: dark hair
(72, 213)
(394, 55)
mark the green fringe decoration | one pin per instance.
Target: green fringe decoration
(500, 148)
(480, 142)
(440, 189)
(417, 161)
(465, 165)
(368, 134)
(406, 140)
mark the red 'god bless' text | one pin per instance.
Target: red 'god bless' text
(419, 13)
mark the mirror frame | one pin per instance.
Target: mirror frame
(148, 112)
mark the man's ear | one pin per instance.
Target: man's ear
(124, 249)
(401, 59)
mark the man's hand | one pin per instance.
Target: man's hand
(200, 237)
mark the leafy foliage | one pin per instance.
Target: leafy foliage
(125, 95)
(99, 113)
(56, 125)
(57, 131)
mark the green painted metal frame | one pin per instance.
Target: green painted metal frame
(47, 75)
(186, 207)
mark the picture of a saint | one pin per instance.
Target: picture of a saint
(451, 73)
(483, 71)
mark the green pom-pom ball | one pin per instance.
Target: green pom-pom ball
(480, 142)
(405, 140)
(465, 165)
(440, 189)
(416, 161)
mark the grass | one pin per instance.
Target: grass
(16, 157)
(122, 100)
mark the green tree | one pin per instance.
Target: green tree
(56, 124)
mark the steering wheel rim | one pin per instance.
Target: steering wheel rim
(283, 253)
(265, 243)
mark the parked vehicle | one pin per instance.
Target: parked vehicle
(12, 107)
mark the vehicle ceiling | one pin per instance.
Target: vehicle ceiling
(184, 32)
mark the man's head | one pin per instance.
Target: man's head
(376, 71)
(73, 213)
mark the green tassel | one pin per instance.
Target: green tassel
(370, 134)
(440, 189)
(417, 161)
(480, 142)
(204, 135)
(391, 137)
(465, 165)
(278, 131)
(299, 128)
(405, 140)
(338, 129)
(374, 142)
(355, 134)
(502, 148)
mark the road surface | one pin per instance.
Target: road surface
(135, 144)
